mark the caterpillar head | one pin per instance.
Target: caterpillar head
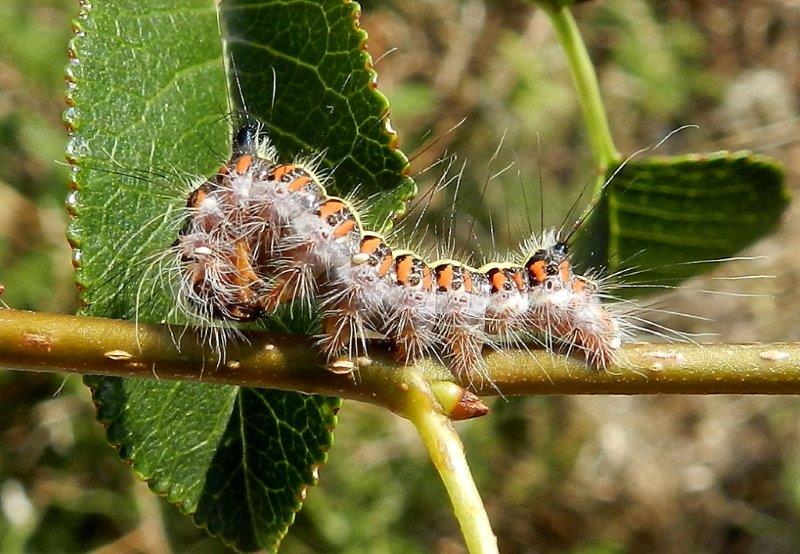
(249, 139)
(245, 140)
(567, 307)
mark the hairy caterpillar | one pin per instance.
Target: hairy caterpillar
(261, 234)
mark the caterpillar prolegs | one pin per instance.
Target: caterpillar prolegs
(261, 234)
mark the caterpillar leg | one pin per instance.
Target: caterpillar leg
(293, 284)
(596, 331)
(599, 353)
(219, 280)
(342, 326)
(245, 284)
(464, 348)
(411, 335)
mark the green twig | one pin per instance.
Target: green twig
(89, 345)
(447, 453)
(585, 79)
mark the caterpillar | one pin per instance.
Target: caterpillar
(261, 234)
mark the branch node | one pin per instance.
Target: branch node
(458, 403)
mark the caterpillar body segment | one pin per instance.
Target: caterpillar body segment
(595, 330)
(411, 316)
(312, 244)
(353, 298)
(508, 300)
(462, 299)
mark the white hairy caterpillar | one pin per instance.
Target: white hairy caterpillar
(261, 234)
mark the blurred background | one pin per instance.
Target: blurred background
(560, 474)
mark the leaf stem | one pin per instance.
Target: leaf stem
(585, 78)
(447, 453)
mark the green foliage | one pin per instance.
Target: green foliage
(146, 111)
(304, 71)
(664, 215)
(148, 103)
(665, 74)
(147, 96)
(239, 459)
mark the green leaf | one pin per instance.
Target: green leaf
(148, 110)
(146, 95)
(317, 93)
(664, 215)
(239, 459)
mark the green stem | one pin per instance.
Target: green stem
(447, 453)
(32, 341)
(585, 79)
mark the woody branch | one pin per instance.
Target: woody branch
(88, 345)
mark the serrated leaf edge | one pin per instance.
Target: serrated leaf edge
(407, 186)
(72, 122)
(330, 418)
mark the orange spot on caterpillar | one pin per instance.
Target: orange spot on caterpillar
(199, 194)
(427, 281)
(345, 227)
(497, 279)
(403, 266)
(519, 280)
(299, 183)
(370, 243)
(537, 271)
(330, 207)
(467, 280)
(563, 270)
(444, 277)
(385, 265)
(243, 164)
(282, 170)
